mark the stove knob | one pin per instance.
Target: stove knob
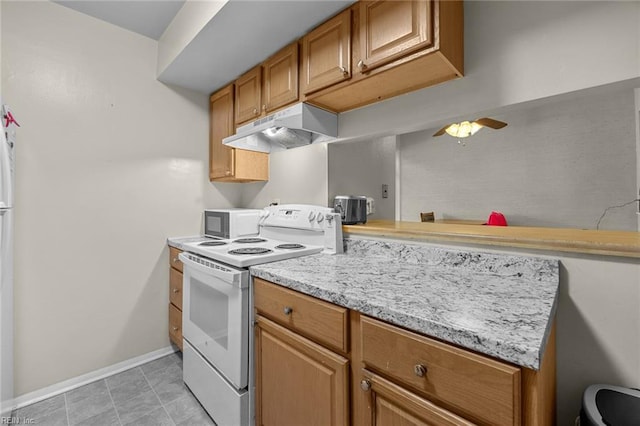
(320, 218)
(312, 215)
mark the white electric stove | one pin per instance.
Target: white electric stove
(217, 302)
(286, 231)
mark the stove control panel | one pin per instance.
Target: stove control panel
(301, 216)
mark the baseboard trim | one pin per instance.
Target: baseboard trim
(76, 382)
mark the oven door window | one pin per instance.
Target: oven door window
(210, 312)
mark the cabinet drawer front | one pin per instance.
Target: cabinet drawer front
(174, 262)
(175, 325)
(175, 288)
(321, 321)
(480, 388)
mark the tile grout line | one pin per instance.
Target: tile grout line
(157, 396)
(66, 408)
(106, 383)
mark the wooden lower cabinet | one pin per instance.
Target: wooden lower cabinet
(382, 375)
(175, 297)
(298, 382)
(390, 404)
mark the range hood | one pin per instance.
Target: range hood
(299, 125)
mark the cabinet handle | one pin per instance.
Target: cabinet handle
(362, 65)
(288, 310)
(419, 370)
(365, 385)
(175, 290)
(344, 71)
(175, 328)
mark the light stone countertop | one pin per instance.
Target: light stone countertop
(496, 304)
(178, 241)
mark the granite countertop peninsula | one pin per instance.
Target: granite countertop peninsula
(496, 304)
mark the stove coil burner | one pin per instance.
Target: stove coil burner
(290, 246)
(212, 243)
(250, 240)
(251, 250)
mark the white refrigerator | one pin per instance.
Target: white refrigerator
(7, 144)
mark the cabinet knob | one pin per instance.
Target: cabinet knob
(288, 310)
(255, 111)
(227, 173)
(264, 107)
(175, 260)
(175, 328)
(175, 290)
(362, 65)
(419, 370)
(344, 71)
(365, 385)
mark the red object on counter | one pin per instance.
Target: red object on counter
(496, 219)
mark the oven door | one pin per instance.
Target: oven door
(215, 316)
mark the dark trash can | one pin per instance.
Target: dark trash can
(607, 405)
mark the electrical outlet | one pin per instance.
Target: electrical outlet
(385, 190)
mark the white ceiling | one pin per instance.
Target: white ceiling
(149, 18)
(243, 34)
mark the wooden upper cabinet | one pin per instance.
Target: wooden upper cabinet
(249, 95)
(397, 47)
(269, 86)
(221, 125)
(280, 79)
(326, 54)
(392, 29)
(228, 164)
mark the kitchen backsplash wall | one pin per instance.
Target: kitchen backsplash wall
(558, 165)
(109, 163)
(361, 168)
(295, 176)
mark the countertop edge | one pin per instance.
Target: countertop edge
(592, 242)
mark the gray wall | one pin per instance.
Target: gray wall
(295, 176)
(556, 165)
(360, 168)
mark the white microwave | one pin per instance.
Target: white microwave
(231, 223)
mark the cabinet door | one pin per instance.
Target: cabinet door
(248, 95)
(389, 404)
(390, 30)
(175, 325)
(298, 382)
(281, 79)
(326, 54)
(175, 287)
(221, 125)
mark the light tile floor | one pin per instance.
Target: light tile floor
(152, 394)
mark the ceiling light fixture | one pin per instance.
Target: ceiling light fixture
(467, 128)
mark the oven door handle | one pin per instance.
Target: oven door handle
(212, 268)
